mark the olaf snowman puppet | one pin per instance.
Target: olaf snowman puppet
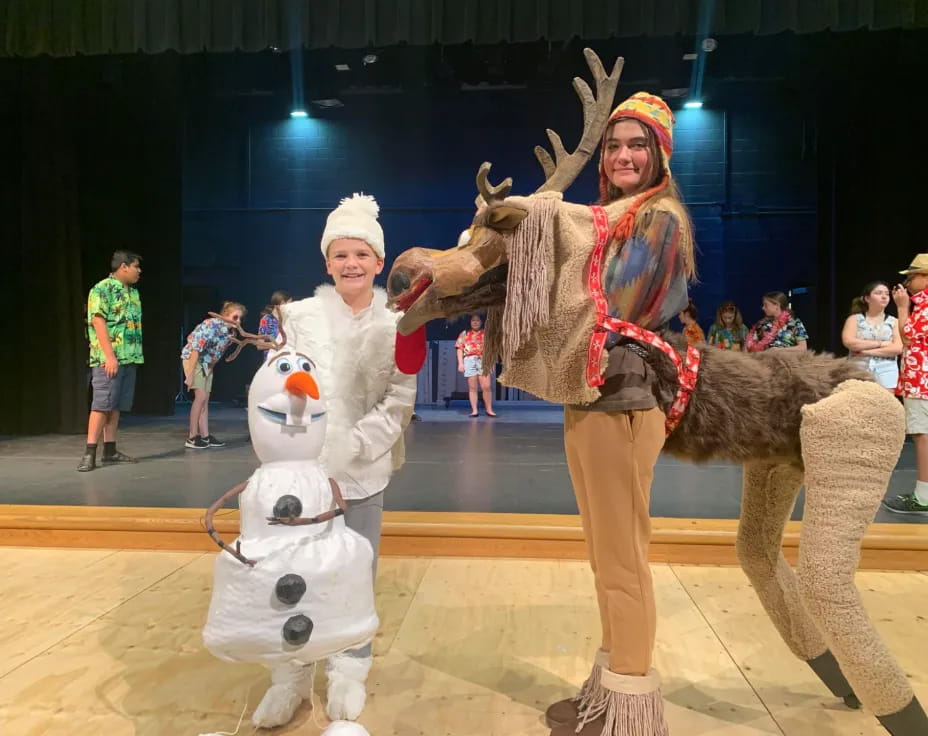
(296, 586)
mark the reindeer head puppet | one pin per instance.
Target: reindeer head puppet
(493, 258)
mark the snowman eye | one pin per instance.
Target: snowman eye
(306, 365)
(283, 366)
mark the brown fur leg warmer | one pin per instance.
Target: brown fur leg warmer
(850, 443)
(767, 499)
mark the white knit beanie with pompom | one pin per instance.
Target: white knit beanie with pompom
(355, 217)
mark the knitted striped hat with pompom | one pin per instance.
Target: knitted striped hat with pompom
(648, 110)
(652, 111)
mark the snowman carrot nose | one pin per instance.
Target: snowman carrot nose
(302, 384)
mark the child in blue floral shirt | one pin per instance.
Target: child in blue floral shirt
(204, 348)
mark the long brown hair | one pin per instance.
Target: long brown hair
(655, 161)
(277, 298)
(777, 297)
(737, 324)
(661, 186)
(859, 303)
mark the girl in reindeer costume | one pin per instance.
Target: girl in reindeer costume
(350, 334)
(613, 443)
(580, 283)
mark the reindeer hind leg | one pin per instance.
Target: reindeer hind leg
(768, 496)
(850, 443)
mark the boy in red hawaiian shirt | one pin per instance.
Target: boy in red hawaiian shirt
(913, 379)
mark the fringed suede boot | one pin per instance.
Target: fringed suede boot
(633, 707)
(568, 711)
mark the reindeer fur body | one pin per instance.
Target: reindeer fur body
(748, 407)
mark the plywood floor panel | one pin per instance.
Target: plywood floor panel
(799, 702)
(47, 594)
(467, 647)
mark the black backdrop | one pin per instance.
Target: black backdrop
(91, 162)
(872, 208)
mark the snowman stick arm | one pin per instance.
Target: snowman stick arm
(337, 495)
(304, 520)
(211, 530)
(262, 342)
(281, 332)
(341, 508)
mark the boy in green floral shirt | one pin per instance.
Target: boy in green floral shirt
(114, 329)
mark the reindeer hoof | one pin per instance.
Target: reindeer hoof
(910, 721)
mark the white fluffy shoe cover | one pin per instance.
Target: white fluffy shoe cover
(346, 693)
(290, 685)
(345, 728)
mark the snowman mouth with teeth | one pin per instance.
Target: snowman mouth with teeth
(291, 393)
(296, 586)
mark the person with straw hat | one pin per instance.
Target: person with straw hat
(912, 301)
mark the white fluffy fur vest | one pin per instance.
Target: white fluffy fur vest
(369, 401)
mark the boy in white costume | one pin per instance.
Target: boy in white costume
(350, 333)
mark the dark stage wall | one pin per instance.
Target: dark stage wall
(91, 152)
(258, 186)
(786, 176)
(797, 172)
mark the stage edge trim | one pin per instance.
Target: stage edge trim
(434, 534)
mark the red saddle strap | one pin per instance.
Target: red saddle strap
(687, 367)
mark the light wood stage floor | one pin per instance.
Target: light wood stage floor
(108, 642)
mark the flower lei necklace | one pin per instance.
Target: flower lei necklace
(755, 346)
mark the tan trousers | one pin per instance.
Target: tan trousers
(611, 458)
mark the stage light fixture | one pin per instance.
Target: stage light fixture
(693, 104)
(298, 114)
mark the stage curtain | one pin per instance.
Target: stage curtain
(58, 28)
(91, 151)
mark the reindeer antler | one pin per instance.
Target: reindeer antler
(262, 342)
(489, 192)
(596, 111)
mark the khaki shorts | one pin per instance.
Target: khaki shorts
(916, 416)
(200, 379)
